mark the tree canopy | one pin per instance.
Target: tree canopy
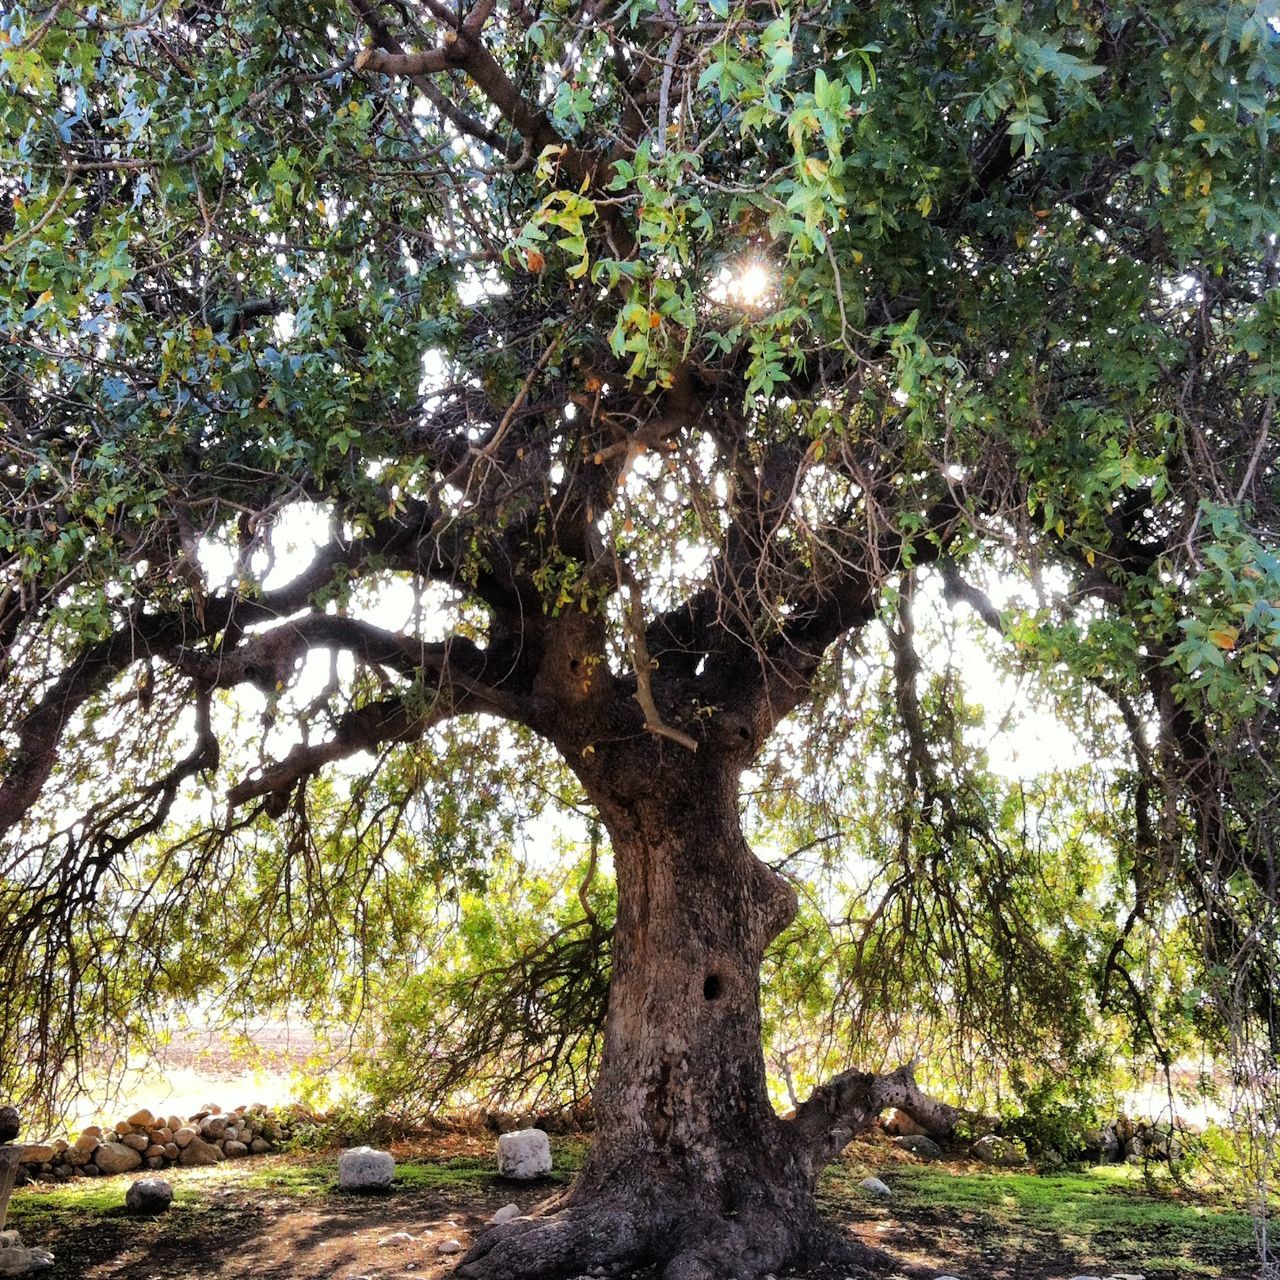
(404, 407)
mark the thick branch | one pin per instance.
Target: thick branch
(849, 1104)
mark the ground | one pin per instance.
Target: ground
(282, 1216)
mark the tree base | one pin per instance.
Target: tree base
(687, 1241)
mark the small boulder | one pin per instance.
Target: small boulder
(214, 1127)
(901, 1125)
(123, 1127)
(88, 1142)
(137, 1141)
(198, 1153)
(143, 1119)
(92, 1131)
(396, 1238)
(115, 1157)
(999, 1151)
(184, 1134)
(448, 1246)
(234, 1150)
(18, 1261)
(37, 1153)
(148, 1195)
(364, 1169)
(524, 1154)
(873, 1186)
(920, 1146)
(508, 1213)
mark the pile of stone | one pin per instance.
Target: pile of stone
(147, 1140)
(1136, 1140)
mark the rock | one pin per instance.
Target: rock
(1000, 1151)
(18, 1261)
(364, 1169)
(10, 1240)
(143, 1119)
(156, 1149)
(524, 1154)
(921, 1147)
(154, 1162)
(88, 1142)
(170, 1150)
(1126, 1275)
(148, 1195)
(873, 1186)
(123, 1127)
(448, 1246)
(37, 1153)
(214, 1127)
(174, 1123)
(508, 1213)
(899, 1123)
(92, 1131)
(135, 1140)
(10, 1123)
(115, 1157)
(77, 1159)
(259, 1146)
(234, 1150)
(184, 1134)
(199, 1153)
(399, 1237)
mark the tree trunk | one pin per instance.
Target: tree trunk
(690, 1167)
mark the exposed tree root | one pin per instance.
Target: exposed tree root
(749, 1215)
(564, 1243)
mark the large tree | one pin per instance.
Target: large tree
(623, 363)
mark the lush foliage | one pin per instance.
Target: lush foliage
(354, 358)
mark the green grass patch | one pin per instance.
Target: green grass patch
(1110, 1215)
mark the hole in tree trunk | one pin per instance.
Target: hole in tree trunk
(712, 987)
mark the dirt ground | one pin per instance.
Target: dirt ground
(281, 1218)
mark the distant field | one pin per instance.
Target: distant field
(214, 1064)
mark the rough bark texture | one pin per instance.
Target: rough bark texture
(690, 1166)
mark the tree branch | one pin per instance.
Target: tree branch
(849, 1103)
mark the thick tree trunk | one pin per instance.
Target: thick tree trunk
(690, 1167)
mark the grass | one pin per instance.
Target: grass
(1103, 1218)
(1109, 1215)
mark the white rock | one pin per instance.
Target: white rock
(364, 1169)
(448, 1246)
(508, 1213)
(400, 1237)
(875, 1187)
(524, 1154)
(1126, 1275)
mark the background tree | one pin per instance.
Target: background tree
(608, 371)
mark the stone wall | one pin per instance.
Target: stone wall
(151, 1141)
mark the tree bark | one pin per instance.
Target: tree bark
(690, 1167)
